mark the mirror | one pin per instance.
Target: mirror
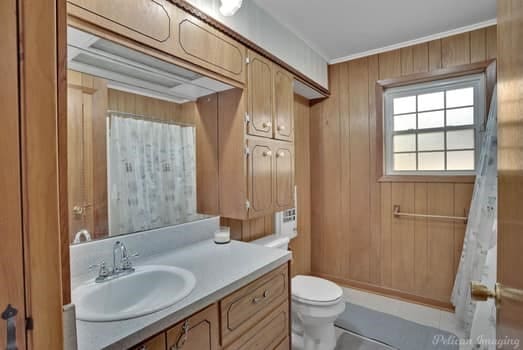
(131, 139)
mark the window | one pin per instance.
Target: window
(434, 128)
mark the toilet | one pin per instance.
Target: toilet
(316, 303)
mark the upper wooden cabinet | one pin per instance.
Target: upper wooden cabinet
(203, 45)
(165, 27)
(283, 104)
(260, 96)
(146, 21)
(271, 99)
(284, 176)
(260, 175)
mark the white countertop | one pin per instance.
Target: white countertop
(219, 270)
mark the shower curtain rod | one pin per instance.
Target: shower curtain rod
(149, 118)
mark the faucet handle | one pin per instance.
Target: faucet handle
(126, 260)
(103, 272)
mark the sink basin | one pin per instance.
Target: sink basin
(149, 289)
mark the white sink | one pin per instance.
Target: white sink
(149, 289)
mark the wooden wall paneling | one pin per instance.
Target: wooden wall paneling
(455, 50)
(435, 55)
(420, 58)
(375, 191)
(343, 89)
(41, 209)
(390, 64)
(11, 249)
(386, 234)
(359, 173)
(407, 60)
(316, 187)
(422, 274)
(491, 39)
(478, 45)
(332, 250)
(301, 245)
(462, 202)
(207, 163)
(403, 238)
(441, 242)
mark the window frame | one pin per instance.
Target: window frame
(476, 80)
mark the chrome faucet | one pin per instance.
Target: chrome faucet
(122, 264)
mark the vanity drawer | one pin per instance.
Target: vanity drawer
(198, 332)
(269, 334)
(246, 307)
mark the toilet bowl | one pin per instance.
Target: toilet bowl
(315, 305)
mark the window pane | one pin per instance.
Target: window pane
(460, 116)
(431, 161)
(431, 101)
(405, 122)
(432, 141)
(460, 139)
(460, 97)
(460, 160)
(404, 143)
(405, 104)
(405, 161)
(431, 120)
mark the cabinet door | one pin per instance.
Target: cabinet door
(199, 332)
(260, 177)
(260, 90)
(148, 21)
(284, 176)
(156, 343)
(283, 104)
(199, 43)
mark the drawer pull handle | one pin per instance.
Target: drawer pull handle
(183, 337)
(256, 300)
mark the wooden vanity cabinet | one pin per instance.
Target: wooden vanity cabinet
(254, 317)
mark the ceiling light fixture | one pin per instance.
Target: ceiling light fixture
(229, 7)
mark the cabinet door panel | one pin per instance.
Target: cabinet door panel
(260, 174)
(284, 177)
(138, 19)
(283, 105)
(202, 333)
(260, 96)
(209, 48)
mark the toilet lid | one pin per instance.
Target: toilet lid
(315, 290)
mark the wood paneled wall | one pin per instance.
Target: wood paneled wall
(355, 238)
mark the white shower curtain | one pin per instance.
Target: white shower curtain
(481, 233)
(152, 174)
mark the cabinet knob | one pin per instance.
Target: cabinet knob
(267, 125)
(281, 128)
(280, 154)
(267, 153)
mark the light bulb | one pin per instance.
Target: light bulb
(229, 7)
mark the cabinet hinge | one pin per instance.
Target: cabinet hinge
(247, 204)
(247, 150)
(29, 324)
(247, 60)
(247, 118)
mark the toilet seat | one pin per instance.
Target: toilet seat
(315, 291)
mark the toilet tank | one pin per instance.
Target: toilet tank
(274, 241)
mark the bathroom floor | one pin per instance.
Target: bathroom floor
(409, 311)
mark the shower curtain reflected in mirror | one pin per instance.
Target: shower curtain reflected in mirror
(152, 174)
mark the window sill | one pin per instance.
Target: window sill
(467, 179)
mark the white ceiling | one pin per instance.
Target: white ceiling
(343, 29)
